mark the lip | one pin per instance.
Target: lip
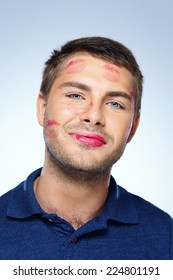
(93, 140)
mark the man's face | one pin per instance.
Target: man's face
(90, 114)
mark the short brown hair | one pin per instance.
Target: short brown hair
(104, 48)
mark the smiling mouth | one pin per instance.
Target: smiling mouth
(93, 140)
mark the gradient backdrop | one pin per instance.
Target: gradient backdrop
(29, 30)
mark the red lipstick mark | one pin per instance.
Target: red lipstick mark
(91, 104)
(50, 131)
(51, 123)
(132, 94)
(111, 74)
(75, 65)
(111, 68)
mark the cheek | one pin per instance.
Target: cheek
(128, 131)
(52, 122)
(78, 110)
(52, 128)
(51, 134)
(73, 111)
(122, 129)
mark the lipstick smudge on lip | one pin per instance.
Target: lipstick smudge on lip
(75, 65)
(90, 140)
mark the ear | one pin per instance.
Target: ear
(134, 127)
(41, 107)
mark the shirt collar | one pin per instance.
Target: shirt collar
(119, 207)
(23, 203)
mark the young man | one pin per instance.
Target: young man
(89, 107)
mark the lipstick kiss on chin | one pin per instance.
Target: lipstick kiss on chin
(93, 140)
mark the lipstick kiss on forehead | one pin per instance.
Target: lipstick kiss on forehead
(111, 73)
(75, 65)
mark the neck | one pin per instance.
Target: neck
(76, 197)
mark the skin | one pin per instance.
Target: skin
(75, 66)
(111, 73)
(91, 98)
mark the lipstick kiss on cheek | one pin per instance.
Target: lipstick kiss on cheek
(51, 128)
(51, 123)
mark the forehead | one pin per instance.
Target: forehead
(83, 57)
(80, 61)
(95, 73)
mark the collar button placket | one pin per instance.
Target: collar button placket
(74, 240)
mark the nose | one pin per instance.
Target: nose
(93, 115)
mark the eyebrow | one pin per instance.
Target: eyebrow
(119, 94)
(75, 85)
(87, 88)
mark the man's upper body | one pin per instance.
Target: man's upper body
(89, 107)
(128, 228)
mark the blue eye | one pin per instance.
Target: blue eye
(75, 96)
(115, 105)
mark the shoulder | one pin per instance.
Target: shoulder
(149, 212)
(135, 207)
(4, 201)
(17, 200)
(11, 199)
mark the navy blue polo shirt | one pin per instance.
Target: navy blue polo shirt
(128, 228)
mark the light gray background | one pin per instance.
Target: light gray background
(29, 30)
